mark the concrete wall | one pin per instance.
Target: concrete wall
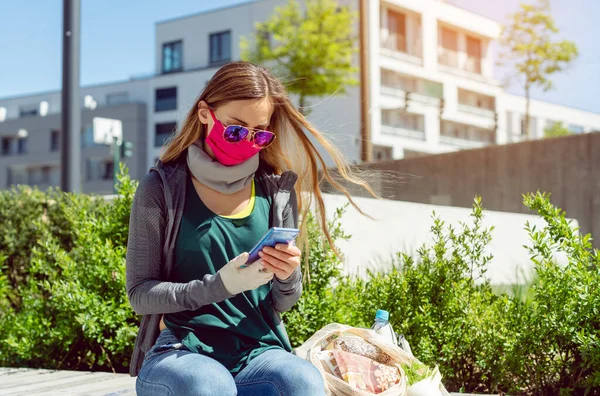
(568, 168)
(403, 227)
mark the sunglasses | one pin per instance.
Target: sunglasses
(238, 133)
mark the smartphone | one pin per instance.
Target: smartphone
(273, 237)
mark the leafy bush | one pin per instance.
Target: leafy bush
(72, 310)
(482, 342)
(63, 302)
(559, 341)
(434, 301)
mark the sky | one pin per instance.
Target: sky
(117, 42)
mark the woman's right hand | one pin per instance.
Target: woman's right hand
(238, 280)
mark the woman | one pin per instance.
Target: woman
(210, 325)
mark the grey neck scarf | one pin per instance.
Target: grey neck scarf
(221, 178)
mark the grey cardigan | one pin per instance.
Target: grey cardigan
(153, 226)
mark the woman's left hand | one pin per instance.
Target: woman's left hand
(281, 260)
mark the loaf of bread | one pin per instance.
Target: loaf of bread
(354, 344)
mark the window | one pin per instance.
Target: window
(99, 169)
(397, 29)
(162, 132)
(220, 47)
(165, 99)
(172, 57)
(28, 110)
(55, 176)
(449, 39)
(453, 130)
(575, 128)
(109, 168)
(54, 140)
(117, 98)
(7, 146)
(46, 174)
(22, 145)
(17, 175)
(87, 137)
(34, 175)
(433, 89)
(509, 122)
(401, 119)
(448, 52)
(473, 64)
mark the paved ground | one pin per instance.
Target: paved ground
(20, 381)
(34, 382)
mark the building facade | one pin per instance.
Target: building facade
(431, 90)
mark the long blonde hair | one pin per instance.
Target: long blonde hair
(292, 150)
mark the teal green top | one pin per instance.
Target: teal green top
(236, 330)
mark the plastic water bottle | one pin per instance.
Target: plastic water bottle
(383, 327)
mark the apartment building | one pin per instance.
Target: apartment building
(433, 84)
(432, 89)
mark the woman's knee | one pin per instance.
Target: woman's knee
(302, 377)
(187, 373)
(310, 376)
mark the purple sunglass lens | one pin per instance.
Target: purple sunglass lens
(235, 134)
(263, 138)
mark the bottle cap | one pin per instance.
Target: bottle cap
(382, 315)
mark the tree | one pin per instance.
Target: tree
(310, 49)
(556, 129)
(528, 45)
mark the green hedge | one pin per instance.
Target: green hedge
(63, 302)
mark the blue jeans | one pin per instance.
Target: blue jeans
(171, 369)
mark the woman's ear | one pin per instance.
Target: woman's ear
(203, 113)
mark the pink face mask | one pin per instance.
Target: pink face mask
(231, 145)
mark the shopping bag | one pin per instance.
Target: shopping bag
(312, 350)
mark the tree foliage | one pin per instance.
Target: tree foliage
(529, 45)
(311, 50)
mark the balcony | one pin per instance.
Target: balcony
(402, 132)
(401, 87)
(413, 97)
(473, 65)
(481, 106)
(395, 45)
(447, 57)
(477, 111)
(403, 124)
(465, 136)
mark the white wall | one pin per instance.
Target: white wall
(405, 227)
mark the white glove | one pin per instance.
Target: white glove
(237, 280)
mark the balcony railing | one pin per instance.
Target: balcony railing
(402, 132)
(394, 42)
(403, 124)
(398, 43)
(398, 92)
(479, 111)
(471, 137)
(473, 65)
(447, 57)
